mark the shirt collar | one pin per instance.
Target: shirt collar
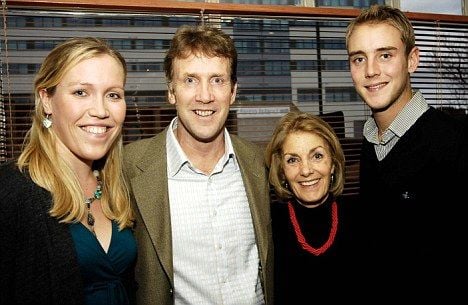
(409, 114)
(177, 158)
(228, 151)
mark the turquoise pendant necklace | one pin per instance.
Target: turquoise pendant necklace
(96, 195)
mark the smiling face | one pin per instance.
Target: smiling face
(380, 68)
(202, 93)
(307, 166)
(87, 109)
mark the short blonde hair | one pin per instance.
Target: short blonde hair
(376, 14)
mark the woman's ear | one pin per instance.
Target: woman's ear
(46, 101)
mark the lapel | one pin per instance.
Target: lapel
(151, 193)
(150, 188)
(255, 181)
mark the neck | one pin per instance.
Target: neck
(90, 183)
(384, 117)
(203, 155)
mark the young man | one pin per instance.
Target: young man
(413, 162)
(202, 195)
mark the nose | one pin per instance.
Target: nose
(99, 108)
(306, 168)
(205, 92)
(372, 68)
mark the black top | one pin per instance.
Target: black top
(301, 277)
(38, 263)
(415, 199)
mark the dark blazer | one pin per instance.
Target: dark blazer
(38, 263)
(146, 167)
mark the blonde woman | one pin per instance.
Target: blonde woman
(66, 219)
(315, 232)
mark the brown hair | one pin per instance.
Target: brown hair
(201, 40)
(297, 121)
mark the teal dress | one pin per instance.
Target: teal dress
(107, 277)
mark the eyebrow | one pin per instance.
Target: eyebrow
(358, 52)
(310, 151)
(87, 84)
(78, 83)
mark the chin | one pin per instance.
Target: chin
(315, 201)
(307, 200)
(95, 155)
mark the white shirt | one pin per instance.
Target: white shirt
(215, 255)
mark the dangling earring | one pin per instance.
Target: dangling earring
(46, 122)
(286, 185)
(332, 179)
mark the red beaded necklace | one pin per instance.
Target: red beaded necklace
(300, 237)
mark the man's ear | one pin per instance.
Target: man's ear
(170, 94)
(233, 94)
(46, 101)
(413, 60)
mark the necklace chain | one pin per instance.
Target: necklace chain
(300, 237)
(96, 195)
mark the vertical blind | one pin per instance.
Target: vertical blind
(285, 62)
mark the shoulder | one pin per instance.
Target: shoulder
(11, 179)
(440, 119)
(248, 154)
(278, 206)
(143, 146)
(19, 194)
(8, 168)
(241, 144)
(442, 128)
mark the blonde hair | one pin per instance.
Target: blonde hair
(41, 159)
(297, 121)
(376, 14)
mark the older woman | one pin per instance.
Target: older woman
(313, 231)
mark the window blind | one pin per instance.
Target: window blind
(285, 62)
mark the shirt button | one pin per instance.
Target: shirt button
(218, 246)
